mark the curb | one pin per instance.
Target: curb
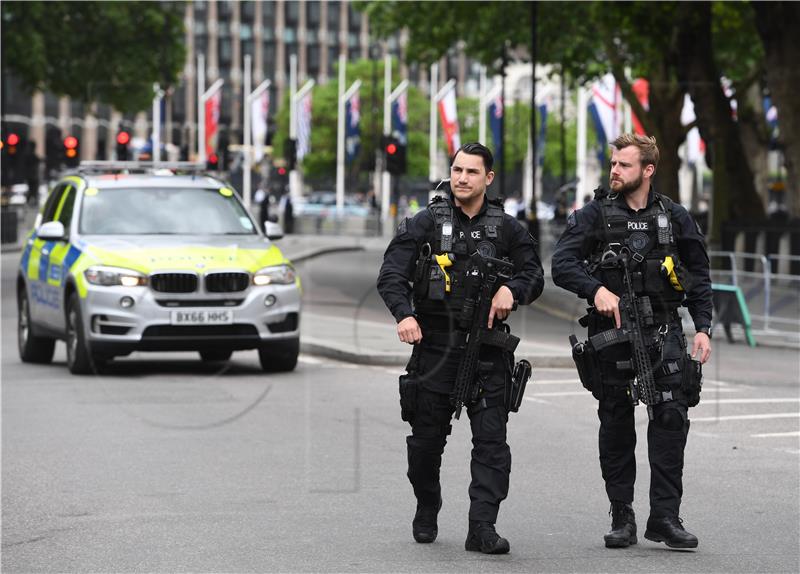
(317, 347)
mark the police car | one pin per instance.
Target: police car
(128, 257)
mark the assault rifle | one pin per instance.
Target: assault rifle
(481, 280)
(634, 313)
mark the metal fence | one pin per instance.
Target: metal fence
(773, 299)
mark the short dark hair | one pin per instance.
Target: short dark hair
(476, 148)
(648, 149)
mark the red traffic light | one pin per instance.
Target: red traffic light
(123, 138)
(213, 158)
(281, 171)
(391, 148)
(70, 142)
(13, 139)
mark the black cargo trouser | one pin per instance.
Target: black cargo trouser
(491, 455)
(666, 436)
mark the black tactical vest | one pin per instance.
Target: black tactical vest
(449, 238)
(648, 234)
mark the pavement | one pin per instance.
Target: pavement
(363, 341)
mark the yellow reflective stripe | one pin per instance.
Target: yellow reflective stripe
(81, 284)
(62, 201)
(33, 260)
(57, 255)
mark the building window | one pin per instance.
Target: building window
(245, 32)
(289, 35)
(312, 36)
(292, 13)
(225, 51)
(333, 15)
(313, 14)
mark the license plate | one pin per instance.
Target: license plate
(205, 317)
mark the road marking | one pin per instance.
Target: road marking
(555, 381)
(746, 417)
(561, 394)
(775, 434)
(747, 401)
(310, 360)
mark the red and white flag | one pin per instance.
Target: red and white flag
(212, 122)
(449, 117)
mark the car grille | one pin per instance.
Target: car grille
(199, 331)
(229, 282)
(199, 302)
(174, 282)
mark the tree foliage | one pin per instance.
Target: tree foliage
(109, 52)
(631, 39)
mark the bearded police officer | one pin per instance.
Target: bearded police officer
(633, 237)
(424, 281)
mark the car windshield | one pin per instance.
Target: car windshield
(163, 211)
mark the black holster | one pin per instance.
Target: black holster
(516, 385)
(692, 381)
(409, 383)
(588, 364)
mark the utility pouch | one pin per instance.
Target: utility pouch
(436, 283)
(422, 272)
(692, 382)
(519, 380)
(588, 365)
(408, 397)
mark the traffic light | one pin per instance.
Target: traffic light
(123, 139)
(395, 154)
(72, 151)
(212, 162)
(12, 141)
(290, 151)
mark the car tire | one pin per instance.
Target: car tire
(79, 359)
(32, 349)
(215, 355)
(279, 356)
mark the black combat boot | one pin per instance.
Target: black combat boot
(669, 529)
(424, 526)
(623, 526)
(482, 537)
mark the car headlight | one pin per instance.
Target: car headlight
(277, 275)
(109, 276)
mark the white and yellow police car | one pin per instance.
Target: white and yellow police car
(127, 258)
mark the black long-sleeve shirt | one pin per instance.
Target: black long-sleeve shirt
(584, 231)
(399, 260)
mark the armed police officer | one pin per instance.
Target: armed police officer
(636, 257)
(428, 282)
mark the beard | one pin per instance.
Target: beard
(627, 187)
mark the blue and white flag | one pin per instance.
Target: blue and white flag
(352, 130)
(304, 126)
(400, 119)
(495, 122)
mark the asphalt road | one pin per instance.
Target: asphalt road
(164, 464)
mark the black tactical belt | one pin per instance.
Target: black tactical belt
(445, 339)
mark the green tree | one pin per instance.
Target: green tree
(109, 52)
(585, 39)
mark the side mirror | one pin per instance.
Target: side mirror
(273, 230)
(51, 231)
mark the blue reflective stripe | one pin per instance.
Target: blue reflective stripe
(26, 255)
(45, 260)
(71, 257)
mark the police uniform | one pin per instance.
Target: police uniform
(411, 286)
(661, 232)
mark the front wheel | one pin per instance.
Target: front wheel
(32, 349)
(79, 359)
(279, 356)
